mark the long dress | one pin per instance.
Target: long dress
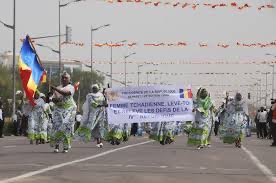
(118, 133)
(94, 118)
(115, 134)
(163, 132)
(48, 107)
(234, 122)
(38, 121)
(63, 116)
(200, 132)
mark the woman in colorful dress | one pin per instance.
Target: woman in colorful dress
(235, 121)
(163, 132)
(118, 133)
(93, 120)
(48, 108)
(37, 122)
(200, 134)
(63, 114)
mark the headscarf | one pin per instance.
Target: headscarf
(42, 95)
(66, 74)
(95, 86)
(205, 103)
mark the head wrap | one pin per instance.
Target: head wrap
(95, 86)
(66, 74)
(206, 103)
(42, 95)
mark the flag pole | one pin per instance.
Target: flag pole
(32, 45)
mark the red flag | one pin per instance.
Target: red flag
(76, 86)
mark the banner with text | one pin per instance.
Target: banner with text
(149, 104)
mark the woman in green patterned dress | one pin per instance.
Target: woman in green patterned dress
(200, 133)
(235, 121)
(38, 121)
(63, 114)
(94, 118)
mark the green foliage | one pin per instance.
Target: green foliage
(6, 87)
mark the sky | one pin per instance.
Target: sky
(149, 24)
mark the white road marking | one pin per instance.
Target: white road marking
(30, 174)
(161, 166)
(8, 146)
(231, 169)
(260, 165)
(11, 139)
(23, 164)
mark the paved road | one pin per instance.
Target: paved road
(138, 160)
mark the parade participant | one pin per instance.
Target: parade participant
(257, 124)
(233, 130)
(217, 123)
(93, 119)
(2, 121)
(78, 120)
(115, 134)
(18, 123)
(201, 131)
(163, 132)
(36, 121)
(273, 122)
(26, 110)
(48, 108)
(63, 114)
(262, 118)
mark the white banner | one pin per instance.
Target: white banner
(149, 104)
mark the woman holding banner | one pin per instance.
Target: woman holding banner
(94, 117)
(163, 132)
(200, 133)
(118, 133)
(63, 114)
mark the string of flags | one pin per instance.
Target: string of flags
(177, 44)
(193, 73)
(179, 62)
(195, 6)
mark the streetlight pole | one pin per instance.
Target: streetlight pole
(111, 64)
(91, 51)
(147, 78)
(59, 43)
(59, 33)
(14, 56)
(133, 53)
(273, 73)
(111, 60)
(13, 62)
(140, 65)
(266, 89)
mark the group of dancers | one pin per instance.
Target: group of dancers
(53, 117)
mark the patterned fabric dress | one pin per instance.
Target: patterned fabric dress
(234, 122)
(94, 118)
(48, 107)
(63, 116)
(38, 121)
(163, 132)
(115, 134)
(200, 132)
